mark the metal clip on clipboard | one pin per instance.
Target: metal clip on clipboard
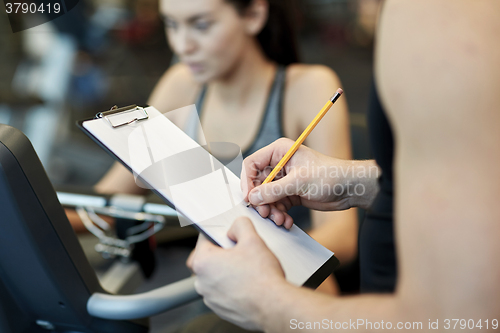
(127, 115)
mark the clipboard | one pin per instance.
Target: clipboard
(158, 153)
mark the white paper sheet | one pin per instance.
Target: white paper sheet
(203, 190)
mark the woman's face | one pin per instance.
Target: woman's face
(208, 36)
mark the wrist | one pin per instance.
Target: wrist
(363, 184)
(270, 302)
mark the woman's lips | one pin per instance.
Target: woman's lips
(195, 67)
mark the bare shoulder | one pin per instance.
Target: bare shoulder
(439, 84)
(175, 89)
(308, 87)
(302, 78)
(447, 69)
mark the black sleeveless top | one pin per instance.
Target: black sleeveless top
(377, 254)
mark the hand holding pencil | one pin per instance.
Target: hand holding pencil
(303, 136)
(264, 156)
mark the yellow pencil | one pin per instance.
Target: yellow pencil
(302, 137)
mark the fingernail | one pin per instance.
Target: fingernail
(271, 217)
(256, 197)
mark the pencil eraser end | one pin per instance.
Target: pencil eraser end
(340, 91)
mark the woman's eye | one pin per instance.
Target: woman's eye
(202, 25)
(170, 24)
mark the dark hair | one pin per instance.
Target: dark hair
(277, 38)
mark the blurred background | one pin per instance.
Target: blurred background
(112, 52)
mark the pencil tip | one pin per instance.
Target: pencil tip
(340, 91)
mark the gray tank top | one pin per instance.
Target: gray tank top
(271, 129)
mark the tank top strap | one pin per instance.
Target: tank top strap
(271, 127)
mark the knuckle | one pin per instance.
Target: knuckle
(246, 163)
(279, 218)
(242, 221)
(280, 206)
(254, 241)
(283, 140)
(197, 265)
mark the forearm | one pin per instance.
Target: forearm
(287, 308)
(118, 180)
(337, 231)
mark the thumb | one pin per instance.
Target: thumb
(274, 191)
(242, 229)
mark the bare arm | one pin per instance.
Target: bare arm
(446, 180)
(308, 87)
(447, 223)
(441, 89)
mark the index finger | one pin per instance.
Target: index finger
(257, 166)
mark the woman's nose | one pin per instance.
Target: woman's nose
(184, 43)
